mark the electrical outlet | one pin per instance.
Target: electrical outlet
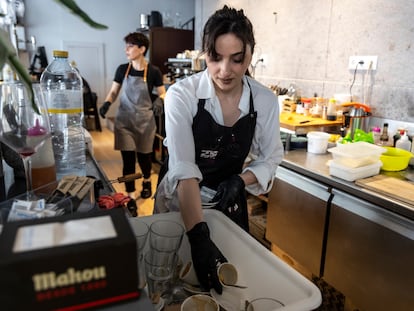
(367, 62)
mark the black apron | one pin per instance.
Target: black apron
(220, 151)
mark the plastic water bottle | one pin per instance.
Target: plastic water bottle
(62, 86)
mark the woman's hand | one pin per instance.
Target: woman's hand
(228, 194)
(206, 257)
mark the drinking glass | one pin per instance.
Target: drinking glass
(21, 127)
(141, 230)
(159, 270)
(166, 235)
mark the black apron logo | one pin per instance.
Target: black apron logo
(208, 154)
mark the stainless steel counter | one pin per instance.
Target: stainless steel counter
(315, 166)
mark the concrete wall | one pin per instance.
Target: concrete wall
(310, 42)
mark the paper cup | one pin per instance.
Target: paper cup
(200, 303)
(227, 274)
(188, 274)
(263, 304)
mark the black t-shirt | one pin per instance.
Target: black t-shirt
(154, 76)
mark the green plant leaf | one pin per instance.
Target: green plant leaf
(73, 7)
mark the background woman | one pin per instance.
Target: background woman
(135, 126)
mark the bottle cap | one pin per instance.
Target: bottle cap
(59, 53)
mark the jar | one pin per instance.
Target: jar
(307, 105)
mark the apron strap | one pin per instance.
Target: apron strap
(145, 71)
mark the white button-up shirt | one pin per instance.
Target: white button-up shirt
(181, 105)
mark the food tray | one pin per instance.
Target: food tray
(352, 174)
(263, 272)
(356, 154)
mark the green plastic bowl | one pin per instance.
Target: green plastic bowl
(395, 159)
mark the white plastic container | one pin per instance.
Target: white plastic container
(403, 142)
(318, 142)
(356, 154)
(265, 274)
(352, 174)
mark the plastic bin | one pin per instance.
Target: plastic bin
(352, 174)
(263, 272)
(356, 154)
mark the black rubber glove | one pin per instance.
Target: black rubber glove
(158, 107)
(104, 109)
(228, 194)
(206, 257)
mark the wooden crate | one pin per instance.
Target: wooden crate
(257, 228)
(255, 206)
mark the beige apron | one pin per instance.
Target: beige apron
(134, 122)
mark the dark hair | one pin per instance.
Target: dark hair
(223, 21)
(139, 39)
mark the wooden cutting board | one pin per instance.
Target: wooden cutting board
(393, 187)
(293, 121)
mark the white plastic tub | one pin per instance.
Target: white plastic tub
(317, 142)
(263, 272)
(352, 174)
(357, 154)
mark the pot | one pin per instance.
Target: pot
(357, 117)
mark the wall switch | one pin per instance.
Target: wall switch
(367, 62)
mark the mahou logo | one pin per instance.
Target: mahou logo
(51, 280)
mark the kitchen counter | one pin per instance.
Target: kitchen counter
(314, 166)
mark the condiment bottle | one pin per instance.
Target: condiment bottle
(376, 133)
(325, 112)
(403, 142)
(306, 106)
(331, 113)
(384, 135)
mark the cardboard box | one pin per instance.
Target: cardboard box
(44, 265)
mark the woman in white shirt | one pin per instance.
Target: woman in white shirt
(215, 120)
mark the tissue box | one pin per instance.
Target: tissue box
(68, 263)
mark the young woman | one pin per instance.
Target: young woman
(135, 126)
(214, 120)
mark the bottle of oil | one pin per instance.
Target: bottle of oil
(384, 135)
